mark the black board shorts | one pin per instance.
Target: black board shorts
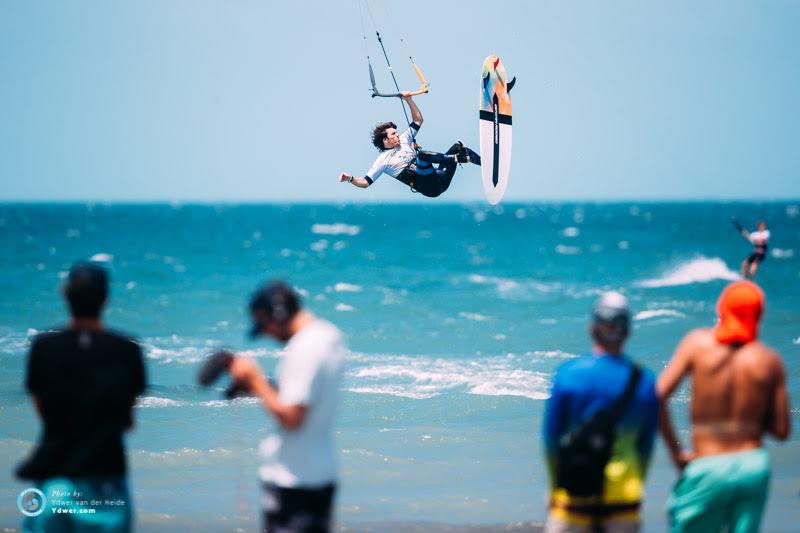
(758, 255)
(428, 185)
(298, 510)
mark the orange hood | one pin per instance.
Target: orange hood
(739, 308)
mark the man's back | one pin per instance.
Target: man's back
(582, 387)
(85, 383)
(733, 392)
(309, 374)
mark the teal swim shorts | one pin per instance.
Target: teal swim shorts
(721, 491)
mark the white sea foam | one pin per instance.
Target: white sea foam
(392, 297)
(503, 284)
(247, 400)
(335, 229)
(570, 232)
(347, 287)
(779, 253)
(344, 307)
(153, 401)
(509, 289)
(796, 341)
(185, 355)
(698, 270)
(476, 317)
(181, 456)
(400, 391)
(653, 313)
(188, 351)
(102, 258)
(319, 246)
(556, 354)
(563, 249)
(792, 211)
(422, 377)
(12, 342)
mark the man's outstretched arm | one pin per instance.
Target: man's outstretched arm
(355, 180)
(416, 114)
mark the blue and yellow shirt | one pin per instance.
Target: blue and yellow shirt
(581, 387)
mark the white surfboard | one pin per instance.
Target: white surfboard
(495, 128)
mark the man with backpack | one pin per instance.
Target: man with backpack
(599, 429)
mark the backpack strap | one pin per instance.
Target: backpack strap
(620, 404)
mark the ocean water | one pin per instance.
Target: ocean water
(457, 317)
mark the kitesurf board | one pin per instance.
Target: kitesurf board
(495, 128)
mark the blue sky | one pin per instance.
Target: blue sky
(268, 101)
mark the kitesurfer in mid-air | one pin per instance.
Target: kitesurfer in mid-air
(402, 161)
(760, 240)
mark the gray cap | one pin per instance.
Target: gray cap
(612, 308)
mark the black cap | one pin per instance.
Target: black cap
(88, 275)
(279, 301)
(86, 289)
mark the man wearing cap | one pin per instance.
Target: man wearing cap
(84, 381)
(738, 396)
(298, 468)
(599, 428)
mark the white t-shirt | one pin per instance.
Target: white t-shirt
(760, 238)
(394, 161)
(310, 374)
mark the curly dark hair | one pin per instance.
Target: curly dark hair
(379, 134)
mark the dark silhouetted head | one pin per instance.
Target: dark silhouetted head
(86, 290)
(272, 308)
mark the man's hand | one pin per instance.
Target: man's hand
(345, 177)
(245, 372)
(683, 458)
(406, 95)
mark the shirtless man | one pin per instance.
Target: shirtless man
(738, 395)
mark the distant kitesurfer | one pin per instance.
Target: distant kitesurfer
(760, 240)
(402, 161)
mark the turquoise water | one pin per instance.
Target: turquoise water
(457, 316)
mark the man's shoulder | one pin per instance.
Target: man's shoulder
(588, 368)
(575, 370)
(49, 340)
(317, 333)
(120, 336)
(700, 338)
(765, 354)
